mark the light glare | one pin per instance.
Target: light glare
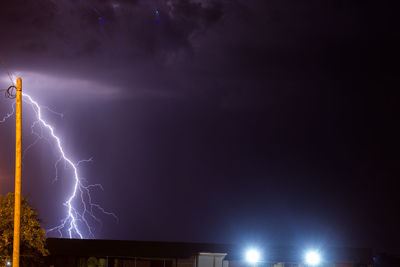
(252, 256)
(313, 258)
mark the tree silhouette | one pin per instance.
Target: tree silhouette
(33, 237)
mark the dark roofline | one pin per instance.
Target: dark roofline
(180, 250)
(129, 248)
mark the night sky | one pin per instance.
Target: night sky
(231, 121)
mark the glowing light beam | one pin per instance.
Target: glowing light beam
(79, 204)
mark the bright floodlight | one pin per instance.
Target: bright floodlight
(8, 263)
(313, 258)
(252, 256)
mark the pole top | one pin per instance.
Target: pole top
(19, 84)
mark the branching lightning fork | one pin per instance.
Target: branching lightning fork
(79, 205)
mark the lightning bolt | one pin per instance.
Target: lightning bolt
(79, 205)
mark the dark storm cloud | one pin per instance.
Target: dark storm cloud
(248, 45)
(67, 36)
(41, 25)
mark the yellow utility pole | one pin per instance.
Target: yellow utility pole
(17, 210)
